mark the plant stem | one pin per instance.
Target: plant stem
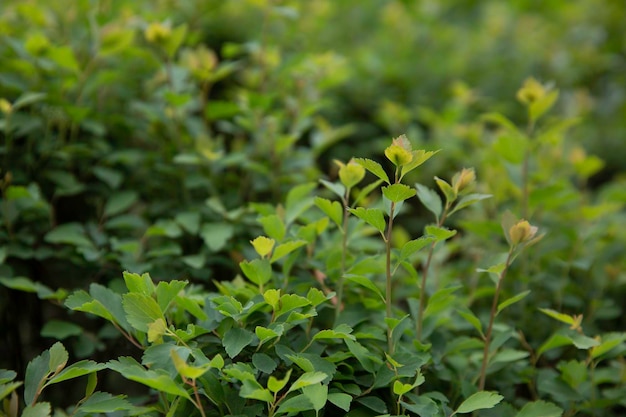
(525, 171)
(492, 316)
(388, 274)
(344, 248)
(420, 312)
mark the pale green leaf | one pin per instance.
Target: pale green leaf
(430, 199)
(373, 167)
(308, 378)
(286, 248)
(332, 209)
(373, 217)
(479, 401)
(141, 310)
(398, 192)
(512, 300)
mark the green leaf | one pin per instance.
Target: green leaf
(141, 310)
(298, 200)
(27, 98)
(189, 220)
(58, 357)
(415, 245)
(264, 363)
(555, 341)
(343, 331)
(103, 402)
(471, 319)
(60, 330)
(367, 359)
(430, 199)
(340, 400)
(36, 371)
(235, 340)
(259, 271)
(365, 191)
(130, 369)
(373, 217)
(286, 248)
(295, 404)
(607, 343)
(264, 334)
(501, 120)
(367, 283)
(119, 202)
(139, 283)
(82, 301)
(512, 300)
(540, 409)
(252, 389)
(441, 300)
(447, 189)
(511, 147)
(92, 381)
(419, 157)
(336, 188)
(26, 285)
(216, 235)
(273, 226)
(564, 318)
(398, 192)
(167, 291)
(373, 167)
(308, 378)
(37, 410)
(479, 401)
(290, 302)
(439, 233)
(6, 389)
(317, 395)
(400, 389)
(332, 209)
(468, 200)
(275, 385)
(583, 342)
(69, 234)
(539, 107)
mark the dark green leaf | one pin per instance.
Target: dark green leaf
(235, 340)
(159, 380)
(103, 402)
(540, 409)
(120, 202)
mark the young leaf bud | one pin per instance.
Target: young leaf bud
(350, 174)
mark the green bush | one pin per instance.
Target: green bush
(206, 207)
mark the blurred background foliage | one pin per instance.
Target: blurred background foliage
(134, 135)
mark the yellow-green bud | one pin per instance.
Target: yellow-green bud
(463, 179)
(5, 106)
(350, 174)
(522, 232)
(399, 152)
(531, 91)
(157, 32)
